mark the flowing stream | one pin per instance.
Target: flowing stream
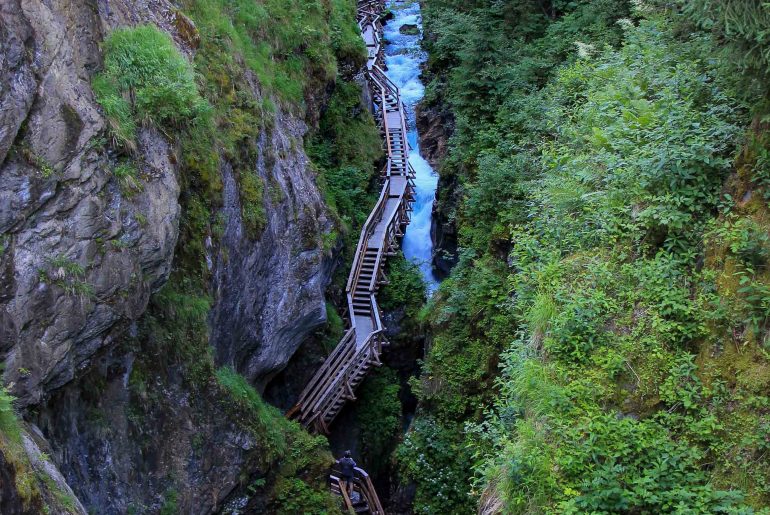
(404, 58)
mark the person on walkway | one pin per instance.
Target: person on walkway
(347, 467)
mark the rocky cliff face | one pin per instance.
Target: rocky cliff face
(79, 256)
(132, 435)
(270, 293)
(81, 253)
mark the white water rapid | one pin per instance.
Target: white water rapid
(403, 58)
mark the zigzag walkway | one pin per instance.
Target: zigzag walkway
(360, 348)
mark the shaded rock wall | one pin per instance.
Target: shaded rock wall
(80, 258)
(269, 294)
(435, 125)
(135, 435)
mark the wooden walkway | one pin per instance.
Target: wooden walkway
(364, 498)
(336, 380)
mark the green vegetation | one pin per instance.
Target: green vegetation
(128, 178)
(601, 345)
(291, 46)
(170, 503)
(9, 424)
(297, 453)
(67, 275)
(143, 65)
(344, 151)
(22, 149)
(405, 288)
(378, 415)
(435, 457)
(36, 489)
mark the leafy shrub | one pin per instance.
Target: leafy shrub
(293, 496)
(435, 457)
(343, 151)
(742, 26)
(640, 469)
(405, 288)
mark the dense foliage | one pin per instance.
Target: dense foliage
(343, 150)
(601, 345)
(378, 416)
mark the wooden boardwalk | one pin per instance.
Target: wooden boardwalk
(364, 499)
(336, 380)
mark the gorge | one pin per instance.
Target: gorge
(209, 290)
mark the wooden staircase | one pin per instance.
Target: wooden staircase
(336, 380)
(364, 499)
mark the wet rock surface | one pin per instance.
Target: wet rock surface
(435, 125)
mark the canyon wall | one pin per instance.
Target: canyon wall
(128, 408)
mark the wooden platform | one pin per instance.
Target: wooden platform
(336, 380)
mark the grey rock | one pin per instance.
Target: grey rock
(80, 258)
(269, 294)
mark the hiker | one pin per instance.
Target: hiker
(347, 466)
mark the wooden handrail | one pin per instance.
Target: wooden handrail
(335, 359)
(369, 227)
(368, 486)
(376, 309)
(336, 380)
(362, 484)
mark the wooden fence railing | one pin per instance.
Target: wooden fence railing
(364, 498)
(336, 380)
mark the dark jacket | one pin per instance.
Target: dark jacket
(346, 466)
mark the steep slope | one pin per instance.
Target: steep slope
(601, 346)
(146, 142)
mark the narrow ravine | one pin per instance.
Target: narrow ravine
(404, 59)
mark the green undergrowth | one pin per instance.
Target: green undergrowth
(37, 491)
(378, 416)
(292, 47)
(601, 346)
(296, 453)
(344, 151)
(405, 288)
(12, 449)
